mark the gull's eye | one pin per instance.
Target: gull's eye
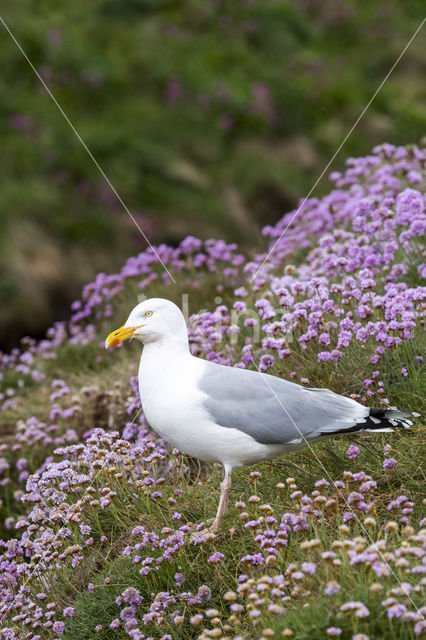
(147, 314)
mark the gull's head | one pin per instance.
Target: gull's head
(153, 320)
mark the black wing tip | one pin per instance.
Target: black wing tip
(380, 420)
(390, 418)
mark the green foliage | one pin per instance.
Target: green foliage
(309, 614)
(208, 117)
(113, 574)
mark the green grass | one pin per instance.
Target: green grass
(309, 611)
(327, 460)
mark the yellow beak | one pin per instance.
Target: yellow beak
(119, 335)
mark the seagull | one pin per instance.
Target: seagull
(230, 415)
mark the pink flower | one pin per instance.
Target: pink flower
(216, 557)
(353, 451)
(332, 588)
(389, 463)
(58, 627)
(308, 567)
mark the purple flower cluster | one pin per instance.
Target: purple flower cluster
(352, 296)
(109, 473)
(62, 524)
(362, 240)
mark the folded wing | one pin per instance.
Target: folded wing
(276, 411)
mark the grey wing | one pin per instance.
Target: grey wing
(275, 411)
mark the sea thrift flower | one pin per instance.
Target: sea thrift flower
(332, 587)
(179, 578)
(216, 557)
(58, 627)
(308, 567)
(389, 463)
(351, 606)
(353, 451)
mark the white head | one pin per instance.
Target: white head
(154, 320)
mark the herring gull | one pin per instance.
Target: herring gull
(226, 414)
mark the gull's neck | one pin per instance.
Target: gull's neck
(167, 348)
(161, 361)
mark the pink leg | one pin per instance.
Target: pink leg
(223, 502)
(221, 510)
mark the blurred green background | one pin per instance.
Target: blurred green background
(211, 118)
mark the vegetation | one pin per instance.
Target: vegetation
(101, 517)
(210, 118)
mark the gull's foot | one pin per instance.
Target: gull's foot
(205, 534)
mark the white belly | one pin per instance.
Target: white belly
(173, 408)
